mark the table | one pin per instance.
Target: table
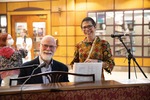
(99, 90)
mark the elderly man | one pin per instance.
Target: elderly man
(47, 50)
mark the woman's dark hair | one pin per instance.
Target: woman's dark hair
(89, 19)
(3, 39)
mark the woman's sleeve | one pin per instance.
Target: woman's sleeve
(16, 59)
(76, 56)
(107, 57)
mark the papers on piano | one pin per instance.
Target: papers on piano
(87, 68)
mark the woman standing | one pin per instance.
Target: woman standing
(9, 58)
(24, 42)
(92, 48)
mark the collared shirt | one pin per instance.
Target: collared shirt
(101, 51)
(45, 69)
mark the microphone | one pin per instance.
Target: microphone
(39, 66)
(118, 35)
(25, 39)
(42, 65)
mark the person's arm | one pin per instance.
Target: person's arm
(29, 44)
(108, 60)
(76, 56)
(18, 45)
(16, 59)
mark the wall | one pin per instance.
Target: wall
(66, 16)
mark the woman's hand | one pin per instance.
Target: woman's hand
(24, 45)
(104, 64)
(91, 60)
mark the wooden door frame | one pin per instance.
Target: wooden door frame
(28, 13)
(48, 23)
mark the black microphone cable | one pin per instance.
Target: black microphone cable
(41, 65)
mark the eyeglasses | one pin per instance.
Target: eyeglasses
(88, 26)
(46, 46)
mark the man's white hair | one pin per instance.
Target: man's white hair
(50, 37)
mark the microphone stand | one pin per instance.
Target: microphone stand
(23, 67)
(130, 56)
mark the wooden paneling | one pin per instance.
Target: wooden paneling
(146, 62)
(70, 30)
(20, 0)
(58, 4)
(70, 41)
(128, 4)
(70, 18)
(124, 62)
(79, 31)
(44, 5)
(3, 8)
(100, 4)
(80, 5)
(146, 3)
(61, 41)
(70, 5)
(120, 61)
(15, 5)
(79, 39)
(62, 30)
(55, 19)
(55, 31)
(69, 59)
(58, 19)
(79, 17)
(61, 51)
(62, 18)
(70, 49)
(60, 59)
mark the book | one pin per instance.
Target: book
(87, 68)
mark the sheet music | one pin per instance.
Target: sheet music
(87, 68)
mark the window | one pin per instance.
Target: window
(135, 24)
(3, 23)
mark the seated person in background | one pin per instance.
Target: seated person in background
(47, 50)
(9, 58)
(92, 48)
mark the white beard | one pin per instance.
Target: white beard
(47, 57)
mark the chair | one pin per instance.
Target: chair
(54, 76)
